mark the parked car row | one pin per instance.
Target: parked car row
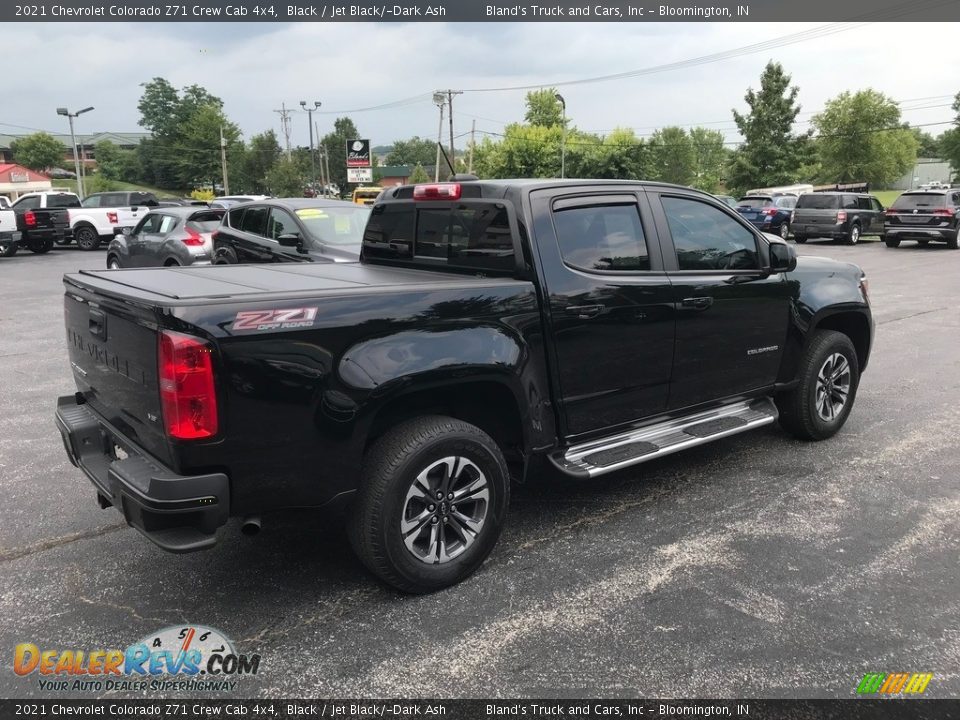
(263, 231)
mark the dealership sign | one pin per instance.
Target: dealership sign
(16, 176)
(360, 175)
(358, 153)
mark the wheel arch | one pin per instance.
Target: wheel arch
(852, 323)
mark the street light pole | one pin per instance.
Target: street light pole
(76, 157)
(440, 100)
(313, 162)
(563, 137)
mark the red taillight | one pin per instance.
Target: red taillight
(437, 191)
(187, 393)
(29, 218)
(193, 238)
(890, 213)
(770, 211)
(112, 218)
(841, 216)
(943, 213)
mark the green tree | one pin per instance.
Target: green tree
(861, 139)
(543, 108)
(619, 155)
(770, 154)
(38, 151)
(415, 151)
(418, 175)
(335, 145)
(928, 146)
(263, 153)
(673, 156)
(112, 162)
(950, 141)
(709, 158)
(524, 151)
(285, 179)
(199, 160)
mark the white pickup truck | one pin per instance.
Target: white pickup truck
(9, 235)
(89, 226)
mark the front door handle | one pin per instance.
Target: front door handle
(585, 312)
(697, 303)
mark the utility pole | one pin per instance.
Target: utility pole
(313, 164)
(285, 124)
(440, 102)
(326, 164)
(473, 132)
(320, 155)
(563, 137)
(223, 162)
(453, 157)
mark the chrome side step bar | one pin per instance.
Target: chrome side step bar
(599, 457)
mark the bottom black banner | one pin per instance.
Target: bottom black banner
(481, 709)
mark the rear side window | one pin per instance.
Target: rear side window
(254, 220)
(63, 200)
(849, 202)
(864, 203)
(602, 237)
(474, 236)
(815, 201)
(235, 217)
(142, 198)
(167, 223)
(919, 201)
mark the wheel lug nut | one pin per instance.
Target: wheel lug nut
(444, 518)
(434, 521)
(450, 496)
(453, 508)
(431, 508)
(439, 496)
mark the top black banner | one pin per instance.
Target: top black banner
(481, 11)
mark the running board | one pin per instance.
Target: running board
(607, 455)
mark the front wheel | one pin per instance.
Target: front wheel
(87, 237)
(829, 375)
(432, 501)
(113, 263)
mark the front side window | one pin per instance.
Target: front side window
(706, 238)
(281, 224)
(602, 237)
(149, 224)
(167, 223)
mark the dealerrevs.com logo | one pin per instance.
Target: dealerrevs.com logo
(190, 657)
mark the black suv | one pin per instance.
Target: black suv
(290, 230)
(121, 198)
(924, 215)
(837, 215)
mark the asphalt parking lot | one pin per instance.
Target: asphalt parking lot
(757, 566)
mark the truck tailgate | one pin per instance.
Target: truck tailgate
(113, 355)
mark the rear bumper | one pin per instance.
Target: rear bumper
(835, 230)
(903, 232)
(179, 513)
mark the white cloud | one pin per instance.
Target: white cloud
(254, 68)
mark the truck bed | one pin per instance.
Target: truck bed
(170, 287)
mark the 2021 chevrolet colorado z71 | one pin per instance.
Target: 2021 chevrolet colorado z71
(489, 325)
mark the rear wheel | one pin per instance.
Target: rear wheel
(853, 237)
(8, 248)
(86, 237)
(41, 246)
(225, 256)
(113, 263)
(829, 375)
(432, 501)
(953, 243)
(784, 229)
(891, 242)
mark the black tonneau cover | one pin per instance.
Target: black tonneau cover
(170, 286)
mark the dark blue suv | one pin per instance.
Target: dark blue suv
(770, 213)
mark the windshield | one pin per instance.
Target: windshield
(335, 225)
(812, 201)
(755, 202)
(919, 201)
(205, 221)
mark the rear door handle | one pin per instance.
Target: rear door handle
(697, 303)
(585, 312)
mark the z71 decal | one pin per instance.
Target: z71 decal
(274, 319)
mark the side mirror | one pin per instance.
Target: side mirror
(289, 240)
(783, 257)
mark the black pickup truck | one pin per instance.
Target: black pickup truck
(491, 330)
(43, 219)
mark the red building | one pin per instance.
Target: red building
(15, 180)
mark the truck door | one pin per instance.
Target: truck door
(609, 306)
(732, 318)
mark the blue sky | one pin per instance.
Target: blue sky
(255, 67)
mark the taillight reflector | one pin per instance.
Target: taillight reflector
(770, 211)
(193, 238)
(437, 191)
(187, 394)
(112, 218)
(841, 216)
(30, 218)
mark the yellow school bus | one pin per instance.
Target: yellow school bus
(366, 195)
